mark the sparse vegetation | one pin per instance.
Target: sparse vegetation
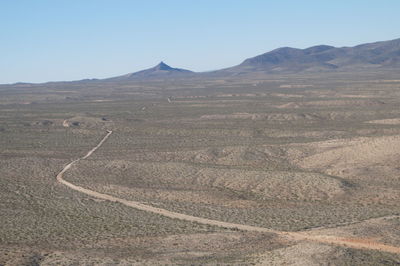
(280, 154)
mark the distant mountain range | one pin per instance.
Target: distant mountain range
(324, 58)
(319, 58)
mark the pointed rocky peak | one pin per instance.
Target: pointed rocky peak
(162, 66)
(162, 70)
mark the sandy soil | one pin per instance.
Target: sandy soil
(393, 121)
(356, 243)
(341, 157)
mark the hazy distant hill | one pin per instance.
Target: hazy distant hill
(323, 58)
(383, 55)
(159, 71)
(292, 60)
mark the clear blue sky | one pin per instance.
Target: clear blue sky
(43, 40)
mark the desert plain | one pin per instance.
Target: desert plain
(213, 161)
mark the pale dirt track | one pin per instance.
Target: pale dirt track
(65, 123)
(340, 241)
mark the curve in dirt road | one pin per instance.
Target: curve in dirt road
(353, 243)
(65, 123)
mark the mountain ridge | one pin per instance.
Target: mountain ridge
(323, 58)
(162, 70)
(285, 60)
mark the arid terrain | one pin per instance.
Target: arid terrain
(284, 169)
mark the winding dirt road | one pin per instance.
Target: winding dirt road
(299, 236)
